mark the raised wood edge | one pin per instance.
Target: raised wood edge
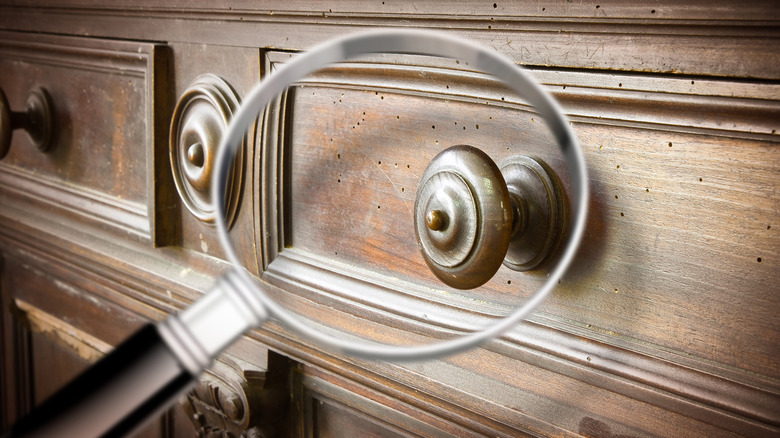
(734, 108)
(84, 206)
(644, 372)
(689, 386)
(88, 347)
(150, 221)
(684, 38)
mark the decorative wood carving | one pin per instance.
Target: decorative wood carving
(235, 398)
(199, 120)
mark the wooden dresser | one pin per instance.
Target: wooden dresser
(667, 324)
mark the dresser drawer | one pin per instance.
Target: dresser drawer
(682, 218)
(110, 110)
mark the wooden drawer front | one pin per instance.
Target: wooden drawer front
(335, 407)
(675, 285)
(109, 110)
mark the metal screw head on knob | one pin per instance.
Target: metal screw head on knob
(472, 215)
(436, 220)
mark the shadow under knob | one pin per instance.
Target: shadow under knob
(37, 119)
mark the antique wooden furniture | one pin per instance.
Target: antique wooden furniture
(665, 326)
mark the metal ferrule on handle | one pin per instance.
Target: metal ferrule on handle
(203, 330)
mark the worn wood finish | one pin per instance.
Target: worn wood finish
(58, 350)
(697, 38)
(347, 182)
(358, 212)
(665, 325)
(335, 407)
(105, 187)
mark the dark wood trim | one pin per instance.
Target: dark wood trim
(572, 36)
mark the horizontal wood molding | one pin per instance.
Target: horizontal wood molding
(673, 38)
(82, 205)
(709, 106)
(641, 371)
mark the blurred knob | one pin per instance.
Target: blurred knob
(200, 118)
(37, 119)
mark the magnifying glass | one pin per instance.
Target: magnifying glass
(149, 370)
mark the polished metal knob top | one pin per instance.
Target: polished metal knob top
(37, 119)
(195, 155)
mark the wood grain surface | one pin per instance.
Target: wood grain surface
(666, 324)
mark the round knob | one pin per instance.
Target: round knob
(199, 120)
(464, 217)
(472, 215)
(37, 119)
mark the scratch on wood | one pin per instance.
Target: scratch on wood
(397, 189)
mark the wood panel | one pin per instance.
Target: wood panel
(334, 407)
(102, 169)
(69, 303)
(48, 346)
(670, 197)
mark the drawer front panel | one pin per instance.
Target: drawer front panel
(643, 299)
(107, 117)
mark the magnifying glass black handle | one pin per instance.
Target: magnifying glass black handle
(135, 381)
(148, 371)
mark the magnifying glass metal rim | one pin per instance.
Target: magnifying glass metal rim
(413, 42)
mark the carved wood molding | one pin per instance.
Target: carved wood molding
(657, 377)
(734, 108)
(235, 398)
(571, 35)
(144, 288)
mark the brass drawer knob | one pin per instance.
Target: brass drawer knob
(472, 215)
(37, 119)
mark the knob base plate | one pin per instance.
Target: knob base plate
(531, 180)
